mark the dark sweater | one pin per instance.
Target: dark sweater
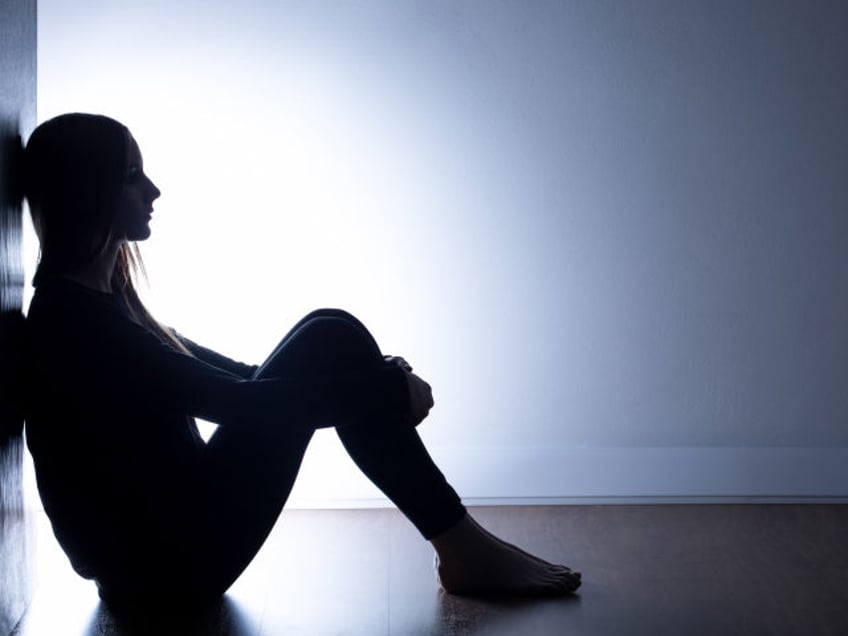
(109, 420)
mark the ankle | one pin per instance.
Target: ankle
(458, 541)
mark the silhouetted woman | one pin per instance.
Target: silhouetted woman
(137, 500)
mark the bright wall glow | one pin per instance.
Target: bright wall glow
(589, 224)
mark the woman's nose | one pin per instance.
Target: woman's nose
(153, 191)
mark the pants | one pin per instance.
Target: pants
(249, 475)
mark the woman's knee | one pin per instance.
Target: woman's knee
(322, 341)
(335, 333)
(336, 324)
(329, 312)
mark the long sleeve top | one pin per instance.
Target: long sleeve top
(110, 408)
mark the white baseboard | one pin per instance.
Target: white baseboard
(538, 475)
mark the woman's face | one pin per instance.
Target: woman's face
(135, 203)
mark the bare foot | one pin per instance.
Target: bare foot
(471, 560)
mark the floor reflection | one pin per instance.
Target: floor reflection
(13, 576)
(225, 619)
(14, 539)
(465, 616)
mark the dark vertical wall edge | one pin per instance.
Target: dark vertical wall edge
(17, 118)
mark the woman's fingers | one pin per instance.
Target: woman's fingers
(397, 360)
(420, 398)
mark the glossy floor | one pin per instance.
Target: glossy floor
(676, 569)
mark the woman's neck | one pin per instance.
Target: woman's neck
(97, 273)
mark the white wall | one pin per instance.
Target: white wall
(612, 234)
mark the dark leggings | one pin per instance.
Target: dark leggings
(251, 475)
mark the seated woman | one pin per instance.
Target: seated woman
(137, 500)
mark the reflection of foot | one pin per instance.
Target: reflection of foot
(471, 560)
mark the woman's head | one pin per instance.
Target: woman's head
(86, 189)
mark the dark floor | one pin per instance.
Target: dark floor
(658, 569)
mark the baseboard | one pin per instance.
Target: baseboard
(539, 475)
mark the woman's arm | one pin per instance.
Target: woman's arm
(88, 348)
(216, 359)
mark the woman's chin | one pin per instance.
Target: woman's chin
(140, 234)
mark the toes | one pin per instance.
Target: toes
(559, 584)
(571, 583)
(560, 587)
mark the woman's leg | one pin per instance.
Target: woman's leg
(471, 560)
(251, 475)
(254, 476)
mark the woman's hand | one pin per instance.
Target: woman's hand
(398, 361)
(420, 393)
(420, 398)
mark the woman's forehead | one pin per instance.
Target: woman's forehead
(133, 150)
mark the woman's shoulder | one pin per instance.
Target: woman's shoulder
(58, 293)
(62, 307)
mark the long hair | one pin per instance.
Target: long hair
(75, 166)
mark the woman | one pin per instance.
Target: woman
(137, 500)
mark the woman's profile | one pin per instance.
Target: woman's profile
(137, 500)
